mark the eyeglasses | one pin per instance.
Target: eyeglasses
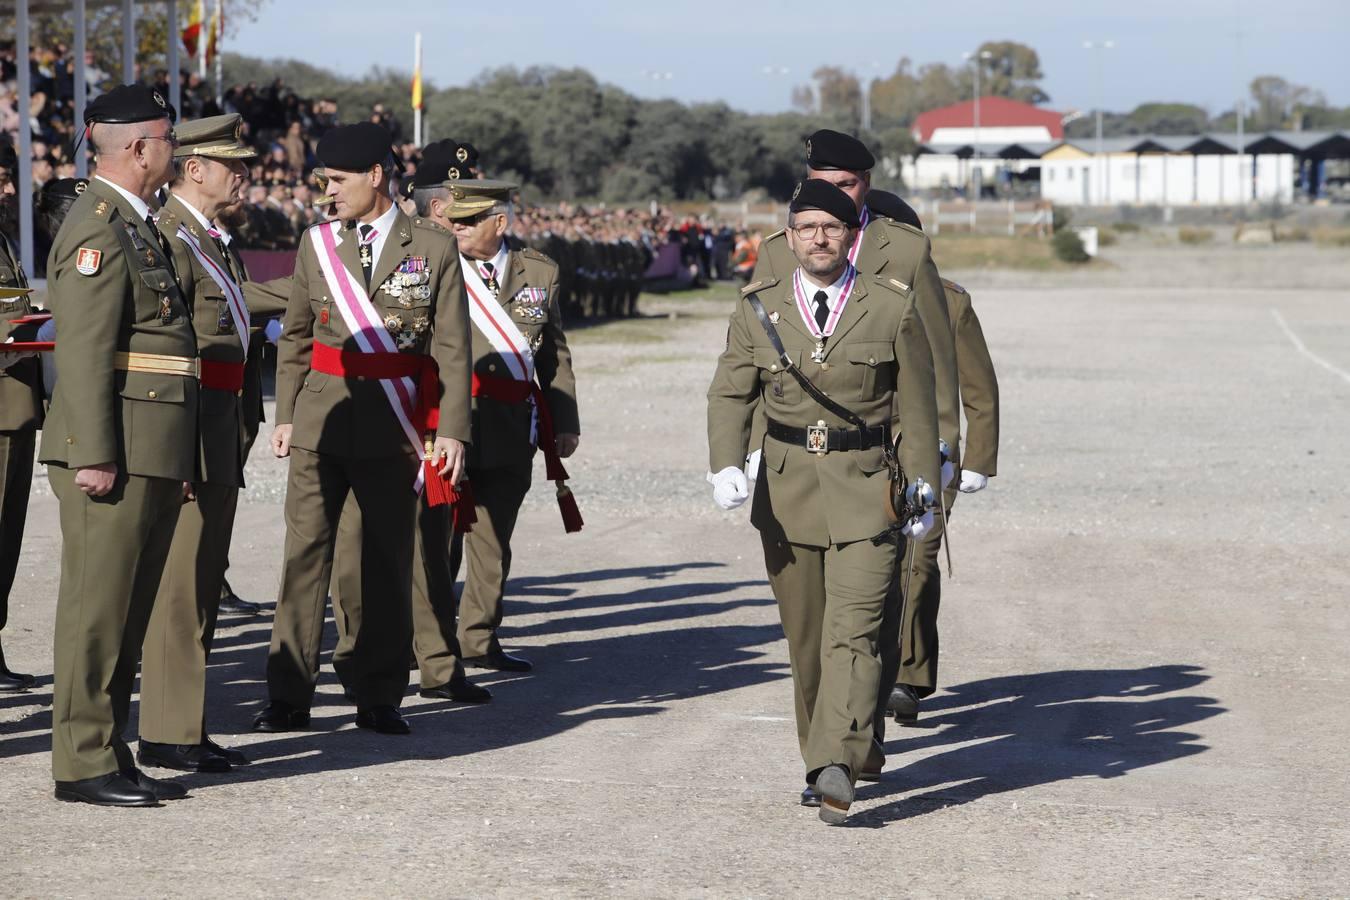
(171, 138)
(833, 230)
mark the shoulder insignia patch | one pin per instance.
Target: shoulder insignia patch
(430, 226)
(87, 260)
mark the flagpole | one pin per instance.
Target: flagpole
(201, 39)
(220, 40)
(417, 74)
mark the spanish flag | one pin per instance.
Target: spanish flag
(193, 32)
(417, 87)
(213, 36)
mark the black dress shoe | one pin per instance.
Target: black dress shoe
(498, 659)
(183, 757)
(876, 759)
(904, 703)
(811, 796)
(382, 720)
(113, 789)
(232, 756)
(281, 716)
(459, 689)
(13, 682)
(161, 789)
(836, 794)
(231, 604)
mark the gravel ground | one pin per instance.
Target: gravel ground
(1144, 660)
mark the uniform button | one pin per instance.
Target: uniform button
(151, 394)
(360, 378)
(239, 393)
(70, 440)
(871, 360)
(492, 367)
(824, 367)
(773, 368)
(163, 285)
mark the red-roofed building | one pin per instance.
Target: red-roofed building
(1001, 121)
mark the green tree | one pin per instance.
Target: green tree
(1013, 71)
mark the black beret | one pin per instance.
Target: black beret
(437, 158)
(884, 203)
(59, 189)
(828, 149)
(465, 158)
(355, 148)
(816, 193)
(127, 103)
(9, 160)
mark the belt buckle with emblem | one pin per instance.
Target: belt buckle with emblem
(818, 437)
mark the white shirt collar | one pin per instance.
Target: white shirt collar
(498, 262)
(142, 208)
(833, 292)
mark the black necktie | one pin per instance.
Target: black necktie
(367, 257)
(822, 310)
(159, 237)
(224, 254)
(491, 280)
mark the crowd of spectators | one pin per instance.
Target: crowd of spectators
(609, 250)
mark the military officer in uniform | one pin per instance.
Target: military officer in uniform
(918, 634)
(120, 441)
(209, 170)
(899, 255)
(377, 301)
(435, 640)
(20, 418)
(525, 399)
(820, 499)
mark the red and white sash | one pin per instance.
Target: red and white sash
(857, 244)
(366, 326)
(494, 323)
(804, 303)
(234, 295)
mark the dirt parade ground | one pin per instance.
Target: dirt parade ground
(1144, 668)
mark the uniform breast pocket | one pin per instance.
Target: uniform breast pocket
(871, 367)
(161, 290)
(779, 386)
(222, 320)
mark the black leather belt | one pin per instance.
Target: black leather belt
(824, 438)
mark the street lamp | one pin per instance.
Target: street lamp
(1103, 46)
(976, 58)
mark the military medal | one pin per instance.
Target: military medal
(818, 354)
(393, 322)
(165, 309)
(365, 256)
(225, 321)
(323, 315)
(804, 307)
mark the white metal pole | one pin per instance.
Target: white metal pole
(220, 46)
(81, 87)
(22, 48)
(171, 40)
(128, 41)
(203, 26)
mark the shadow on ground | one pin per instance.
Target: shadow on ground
(1036, 729)
(577, 680)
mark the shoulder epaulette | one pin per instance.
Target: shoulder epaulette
(953, 286)
(901, 226)
(759, 285)
(531, 253)
(782, 232)
(419, 222)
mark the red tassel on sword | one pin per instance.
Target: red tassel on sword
(571, 515)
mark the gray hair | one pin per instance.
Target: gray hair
(422, 197)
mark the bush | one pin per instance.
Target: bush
(1069, 246)
(1060, 218)
(1126, 227)
(1195, 235)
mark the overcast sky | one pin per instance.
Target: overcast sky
(1197, 51)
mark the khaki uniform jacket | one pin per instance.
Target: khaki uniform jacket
(21, 383)
(501, 431)
(893, 252)
(351, 417)
(222, 419)
(145, 422)
(979, 384)
(877, 364)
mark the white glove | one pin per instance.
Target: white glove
(730, 489)
(752, 464)
(272, 330)
(973, 481)
(918, 528)
(948, 475)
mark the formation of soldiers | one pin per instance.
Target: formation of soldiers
(422, 364)
(603, 262)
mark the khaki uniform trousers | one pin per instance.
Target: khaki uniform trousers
(113, 550)
(183, 622)
(498, 493)
(909, 632)
(316, 491)
(435, 645)
(16, 480)
(830, 600)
